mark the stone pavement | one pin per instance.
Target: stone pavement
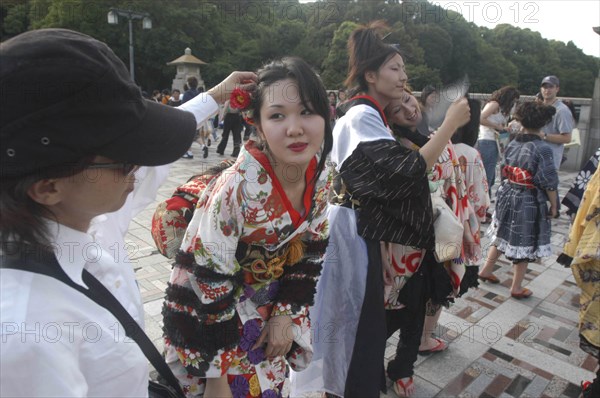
(499, 346)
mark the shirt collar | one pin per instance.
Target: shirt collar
(72, 249)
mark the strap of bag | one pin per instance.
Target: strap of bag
(98, 293)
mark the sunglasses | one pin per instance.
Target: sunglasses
(126, 168)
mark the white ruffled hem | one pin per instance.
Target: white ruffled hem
(521, 252)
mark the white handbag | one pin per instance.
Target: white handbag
(448, 230)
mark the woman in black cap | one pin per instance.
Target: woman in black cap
(74, 132)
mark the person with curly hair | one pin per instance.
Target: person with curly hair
(494, 119)
(521, 222)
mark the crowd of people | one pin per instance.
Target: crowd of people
(343, 208)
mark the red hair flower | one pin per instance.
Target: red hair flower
(240, 99)
(248, 117)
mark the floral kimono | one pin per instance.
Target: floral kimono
(478, 202)
(446, 179)
(582, 253)
(247, 255)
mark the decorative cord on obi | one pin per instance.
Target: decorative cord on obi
(345, 199)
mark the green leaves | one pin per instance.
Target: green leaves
(438, 45)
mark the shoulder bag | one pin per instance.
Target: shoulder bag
(448, 230)
(102, 296)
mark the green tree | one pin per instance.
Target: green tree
(438, 46)
(14, 16)
(335, 66)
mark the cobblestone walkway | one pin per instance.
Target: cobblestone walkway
(499, 347)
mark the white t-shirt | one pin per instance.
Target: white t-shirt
(562, 123)
(488, 133)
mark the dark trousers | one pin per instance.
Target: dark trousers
(231, 123)
(369, 348)
(410, 323)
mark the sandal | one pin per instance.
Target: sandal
(439, 347)
(490, 279)
(586, 389)
(401, 389)
(526, 293)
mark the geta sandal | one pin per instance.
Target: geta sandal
(401, 389)
(526, 293)
(489, 279)
(439, 347)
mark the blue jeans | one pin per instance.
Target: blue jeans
(488, 149)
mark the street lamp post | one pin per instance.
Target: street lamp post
(113, 19)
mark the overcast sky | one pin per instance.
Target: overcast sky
(561, 20)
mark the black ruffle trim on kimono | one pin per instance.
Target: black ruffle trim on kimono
(316, 247)
(184, 331)
(185, 261)
(186, 297)
(297, 286)
(390, 183)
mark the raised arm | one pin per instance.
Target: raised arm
(458, 114)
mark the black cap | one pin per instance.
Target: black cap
(551, 80)
(66, 96)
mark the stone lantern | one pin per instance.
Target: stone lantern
(187, 66)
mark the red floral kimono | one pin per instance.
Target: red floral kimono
(247, 255)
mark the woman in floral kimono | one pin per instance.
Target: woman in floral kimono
(236, 310)
(419, 285)
(473, 174)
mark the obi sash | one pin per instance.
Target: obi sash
(518, 176)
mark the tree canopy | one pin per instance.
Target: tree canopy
(439, 46)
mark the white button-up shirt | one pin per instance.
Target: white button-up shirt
(55, 341)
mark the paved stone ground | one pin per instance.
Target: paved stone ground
(499, 346)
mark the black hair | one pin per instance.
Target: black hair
(468, 133)
(506, 97)
(571, 107)
(534, 115)
(367, 52)
(426, 92)
(312, 93)
(192, 82)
